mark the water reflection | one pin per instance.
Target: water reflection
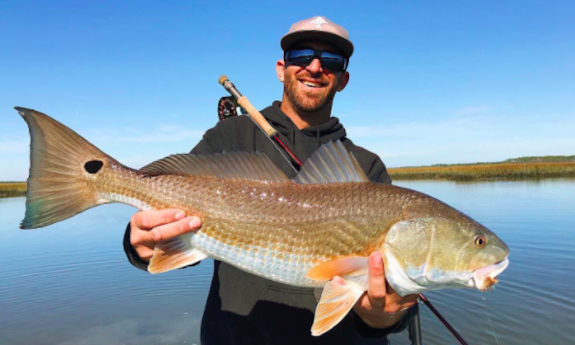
(71, 284)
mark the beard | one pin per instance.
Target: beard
(308, 102)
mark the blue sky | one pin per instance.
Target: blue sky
(431, 81)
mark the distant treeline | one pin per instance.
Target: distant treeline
(496, 171)
(12, 189)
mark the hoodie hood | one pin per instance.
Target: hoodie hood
(306, 141)
(330, 131)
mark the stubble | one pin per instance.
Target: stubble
(307, 102)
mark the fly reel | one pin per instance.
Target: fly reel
(228, 107)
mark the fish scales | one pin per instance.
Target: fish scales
(288, 228)
(255, 224)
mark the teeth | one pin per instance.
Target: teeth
(311, 84)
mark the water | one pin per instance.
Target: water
(71, 284)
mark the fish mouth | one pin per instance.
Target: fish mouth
(486, 277)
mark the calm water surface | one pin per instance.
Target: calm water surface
(71, 284)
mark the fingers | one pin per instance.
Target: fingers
(396, 303)
(410, 301)
(338, 280)
(149, 227)
(165, 232)
(146, 220)
(376, 286)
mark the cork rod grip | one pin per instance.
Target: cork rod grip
(222, 79)
(256, 116)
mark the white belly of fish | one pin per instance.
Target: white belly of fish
(261, 261)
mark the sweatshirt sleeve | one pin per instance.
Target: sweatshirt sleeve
(217, 139)
(379, 172)
(370, 162)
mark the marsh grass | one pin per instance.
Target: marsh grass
(486, 171)
(12, 189)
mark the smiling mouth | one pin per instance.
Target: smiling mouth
(486, 277)
(312, 84)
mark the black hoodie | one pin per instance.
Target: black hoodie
(246, 309)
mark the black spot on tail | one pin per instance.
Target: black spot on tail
(93, 166)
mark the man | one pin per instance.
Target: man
(246, 309)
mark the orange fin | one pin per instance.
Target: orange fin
(353, 265)
(337, 299)
(175, 253)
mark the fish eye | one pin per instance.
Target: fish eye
(480, 241)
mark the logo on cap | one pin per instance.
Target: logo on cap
(318, 21)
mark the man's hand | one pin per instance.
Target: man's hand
(150, 227)
(381, 306)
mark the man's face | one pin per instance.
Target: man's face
(311, 88)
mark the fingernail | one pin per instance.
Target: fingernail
(339, 281)
(180, 215)
(195, 223)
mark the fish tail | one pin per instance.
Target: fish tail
(64, 171)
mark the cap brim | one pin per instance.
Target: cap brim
(294, 38)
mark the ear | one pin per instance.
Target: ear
(343, 80)
(280, 68)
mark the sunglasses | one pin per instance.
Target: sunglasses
(303, 57)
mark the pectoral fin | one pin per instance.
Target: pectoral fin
(349, 266)
(173, 254)
(338, 297)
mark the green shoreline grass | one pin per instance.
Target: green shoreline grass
(12, 189)
(497, 171)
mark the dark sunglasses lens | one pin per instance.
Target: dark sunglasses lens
(301, 57)
(332, 62)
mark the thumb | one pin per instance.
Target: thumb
(376, 285)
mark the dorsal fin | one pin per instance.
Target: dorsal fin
(231, 165)
(331, 163)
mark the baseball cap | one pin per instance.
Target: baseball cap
(318, 28)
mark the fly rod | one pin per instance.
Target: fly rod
(442, 319)
(272, 134)
(261, 122)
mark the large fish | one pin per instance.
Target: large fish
(324, 223)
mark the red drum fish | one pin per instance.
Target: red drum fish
(302, 232)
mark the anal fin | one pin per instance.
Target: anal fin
(175, 253)
(337, 299)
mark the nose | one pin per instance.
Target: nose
(315, 67)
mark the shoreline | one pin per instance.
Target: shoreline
(12, 189)
(486, 172)
(467, 172)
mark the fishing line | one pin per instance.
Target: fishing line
(489, 319)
